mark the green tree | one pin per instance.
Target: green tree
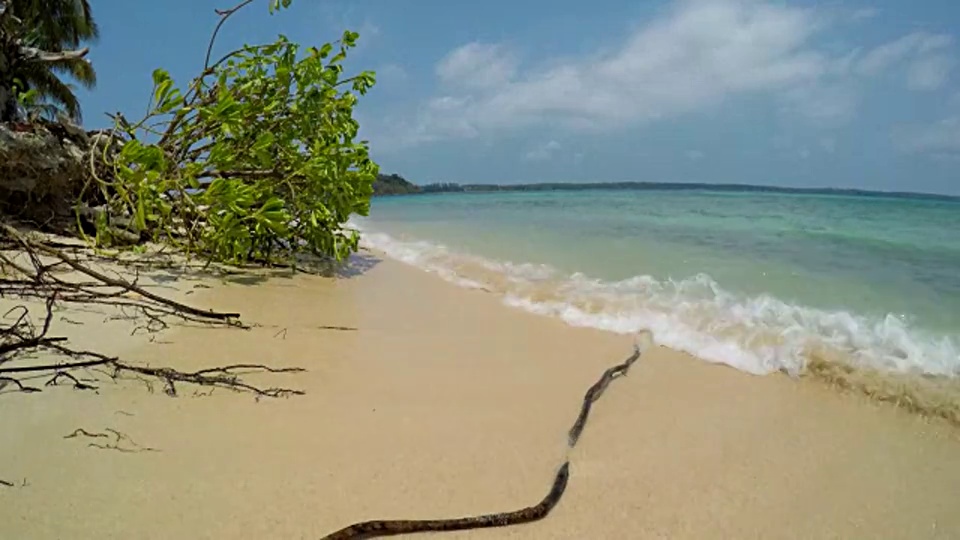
(256, 159)
(39, 46)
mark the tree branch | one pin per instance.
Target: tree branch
(114, 282)
(34, 54)
(224, 15)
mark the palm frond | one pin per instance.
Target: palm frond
(79, 68)
(58, 27)
(57, 24)
(54, 91)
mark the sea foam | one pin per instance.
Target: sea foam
(755, 334)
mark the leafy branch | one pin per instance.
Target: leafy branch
(256, 160)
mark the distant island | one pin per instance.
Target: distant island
(394, 184)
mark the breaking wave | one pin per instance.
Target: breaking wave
(886, 358)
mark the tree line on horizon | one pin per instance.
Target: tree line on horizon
(395, 184)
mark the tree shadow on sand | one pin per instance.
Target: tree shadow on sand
(164, 271)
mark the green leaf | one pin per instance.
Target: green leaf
(160, 75)
(325, 50)
(278, 126)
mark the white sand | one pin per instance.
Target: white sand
(445, 403)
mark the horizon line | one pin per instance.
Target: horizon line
(726, 186)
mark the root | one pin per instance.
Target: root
(40, 279)
(121, 441)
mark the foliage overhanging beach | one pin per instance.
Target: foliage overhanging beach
(233, 169)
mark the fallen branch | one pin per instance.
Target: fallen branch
(22, 336)
(4, 381)
(80, 431)
(33, 247)
(115, 445)
(394, 527)
(77, 384)
(221, 377)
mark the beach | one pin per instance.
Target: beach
(427, 400)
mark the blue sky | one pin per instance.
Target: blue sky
(791, 93)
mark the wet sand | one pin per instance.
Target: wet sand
(442, 402)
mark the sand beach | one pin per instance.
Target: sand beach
(425, 400)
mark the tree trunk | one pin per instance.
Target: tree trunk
(9, 109)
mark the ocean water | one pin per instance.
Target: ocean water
(760, 281)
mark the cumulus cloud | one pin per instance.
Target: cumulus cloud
(478, 65)
(822, 103)
(542, 152)
(916, 43)
(929, 73)
(925, 57)
(692, 55)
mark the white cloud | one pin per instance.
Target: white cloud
(822, 103)
(929, 73)
(542, 152)
(942, 137)
(369, 28)
(390, 74)
(692, 55)
(927, 64)
(477, 65)
(694, 155)
(883, 56)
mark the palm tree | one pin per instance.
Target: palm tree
(39, 44)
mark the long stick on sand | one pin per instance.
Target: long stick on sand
(382, 527)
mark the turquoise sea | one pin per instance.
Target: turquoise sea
(757, 280)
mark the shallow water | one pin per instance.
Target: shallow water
(759, 281)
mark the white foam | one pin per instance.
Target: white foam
(758, 335)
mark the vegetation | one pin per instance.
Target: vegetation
(255, 155)
(393, 184)
(442, 187)
(39, 43)
(254, 160)
(667, 186)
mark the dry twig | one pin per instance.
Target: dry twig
(22, 336)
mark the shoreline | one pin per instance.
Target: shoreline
(436, 189)
(931, 395)
(425, 400)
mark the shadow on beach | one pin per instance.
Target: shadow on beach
(165, 270)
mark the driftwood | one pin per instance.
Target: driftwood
(395, 527)
(40, 280)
